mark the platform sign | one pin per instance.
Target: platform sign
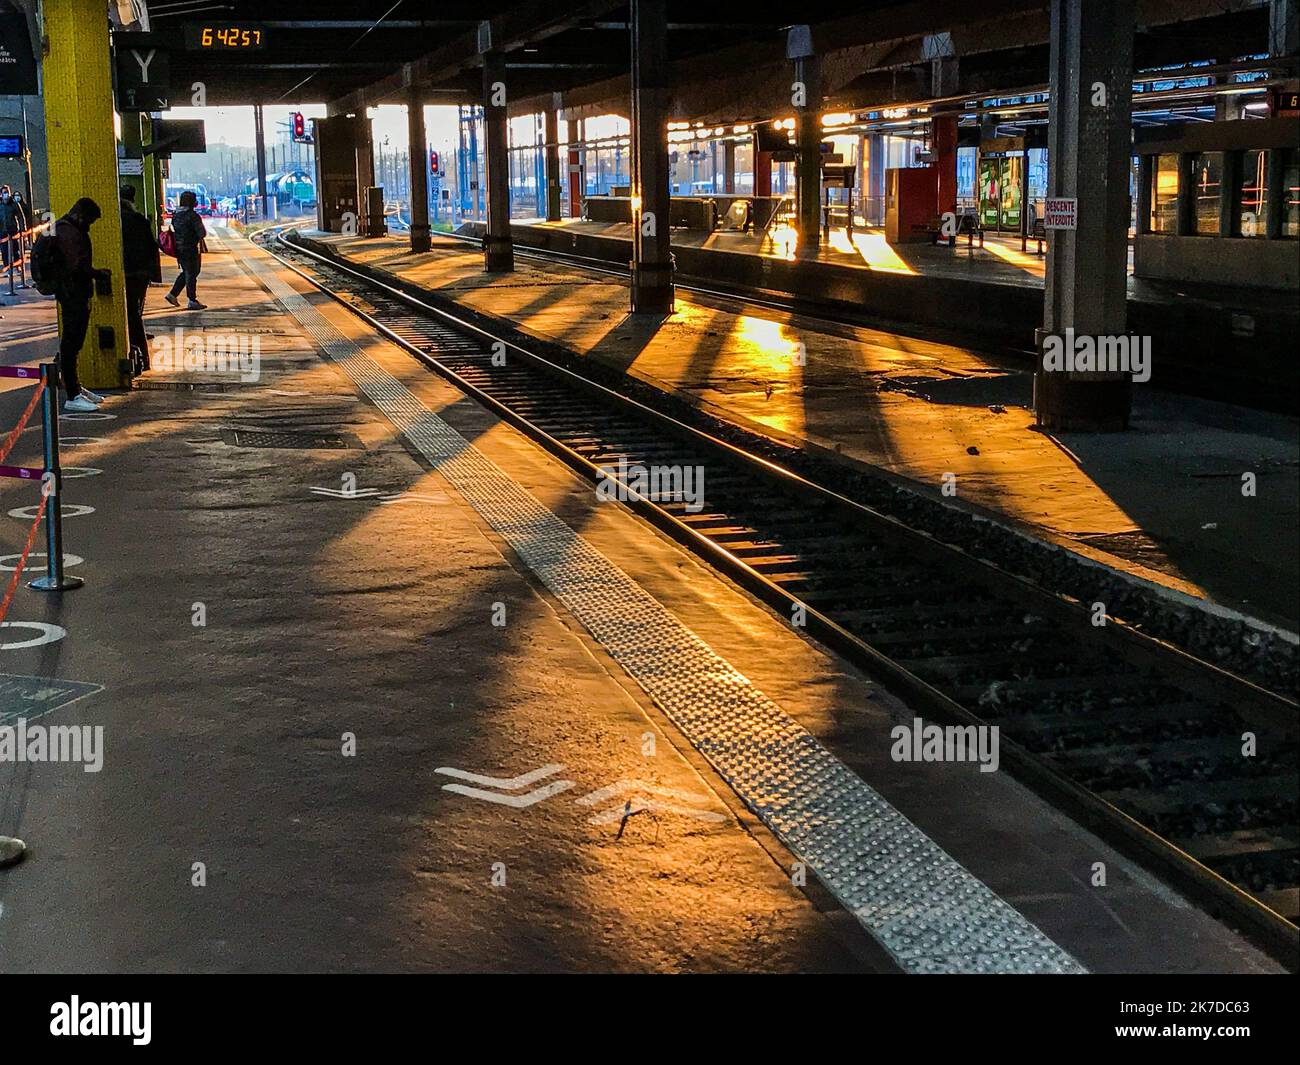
(130, 167)
(11, 146)
(143, 78)
(17, 60)
(1061, 213)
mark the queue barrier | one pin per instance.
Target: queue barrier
(50, 478)
(15, 249)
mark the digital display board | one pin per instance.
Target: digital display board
(11, 147)
(224, 36)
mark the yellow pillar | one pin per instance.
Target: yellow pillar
(83, 162)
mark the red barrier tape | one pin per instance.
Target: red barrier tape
(22, 559)
(14, 433)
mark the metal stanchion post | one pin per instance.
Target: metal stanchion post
(55, 580)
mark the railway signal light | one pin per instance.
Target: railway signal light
(433, 163)
(299, 126)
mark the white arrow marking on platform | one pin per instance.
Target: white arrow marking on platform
(506, 783)
(517, 801)
(343, 493)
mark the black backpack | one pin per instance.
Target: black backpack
(47, 264)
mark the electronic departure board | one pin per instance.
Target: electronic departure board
(224, 36)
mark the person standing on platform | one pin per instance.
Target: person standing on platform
(12, 222)
(76, 285)
(143, 264)
(190, 231)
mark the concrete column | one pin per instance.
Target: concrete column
(418, 150)
(83, 162)
(729, 167)
(553, 179)
(498, 249)
(652, 261)
(1088, 159)
(808, 137)
(363, 163)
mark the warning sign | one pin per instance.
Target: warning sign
(1061, 214)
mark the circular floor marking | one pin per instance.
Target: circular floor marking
(73, 472)
(47, 634)
(70, 510)
(7, 561)
(88, 416)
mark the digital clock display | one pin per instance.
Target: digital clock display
(224, 36)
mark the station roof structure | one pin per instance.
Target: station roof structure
(728, 57)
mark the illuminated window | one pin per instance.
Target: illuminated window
(1290, 193)
(1251, 195)
(1164, 194)
(1207, 176)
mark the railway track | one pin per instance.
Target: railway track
(1134, 738)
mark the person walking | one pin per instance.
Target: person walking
(76, 285)
(143, 264)
(190, 231)
(12, 222)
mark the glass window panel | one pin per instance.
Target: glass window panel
(1207, 175)
(1164, 194)
(1290, 193)
(1251, 195)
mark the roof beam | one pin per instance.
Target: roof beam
(531, 21)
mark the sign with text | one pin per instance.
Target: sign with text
(143, 74)
(1061, 213)
(17, 60)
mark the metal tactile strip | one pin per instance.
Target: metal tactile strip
(924, 908)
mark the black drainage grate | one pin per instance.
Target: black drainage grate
(303, 441)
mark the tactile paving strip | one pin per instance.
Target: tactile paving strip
(928, 911)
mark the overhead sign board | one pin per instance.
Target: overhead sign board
(143, 77)
(11, 146)
(17, 60)
(1061, 213)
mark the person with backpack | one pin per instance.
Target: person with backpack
(12, 222)
(143, 264)
(189, 233)
(68, 256)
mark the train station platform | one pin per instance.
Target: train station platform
(384, 687)
(1162, 504)
(1214, 341)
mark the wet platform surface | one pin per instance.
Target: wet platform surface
(308, 661)
(1163, 501)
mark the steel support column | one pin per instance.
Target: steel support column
(729, 167)
(1089, 138)
(259, 139)
(82, 155)
(553, 179)
(652, 262)
(418, 151)
(808, 137)
(498, 248)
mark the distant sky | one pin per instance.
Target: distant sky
(234, 125)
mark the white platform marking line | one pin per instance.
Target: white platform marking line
(927, 910)
(508, 783)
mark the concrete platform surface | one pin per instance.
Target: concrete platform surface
(1163, 501)
(305, 661)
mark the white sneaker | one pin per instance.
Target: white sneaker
(195, 305)
(80, 405)
(172, 300)
(94, 397)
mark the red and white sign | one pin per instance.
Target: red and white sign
(1061, 214)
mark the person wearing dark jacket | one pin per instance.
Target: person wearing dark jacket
(143, 264)
(12, 222)
(189, 230)
(76, 286)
